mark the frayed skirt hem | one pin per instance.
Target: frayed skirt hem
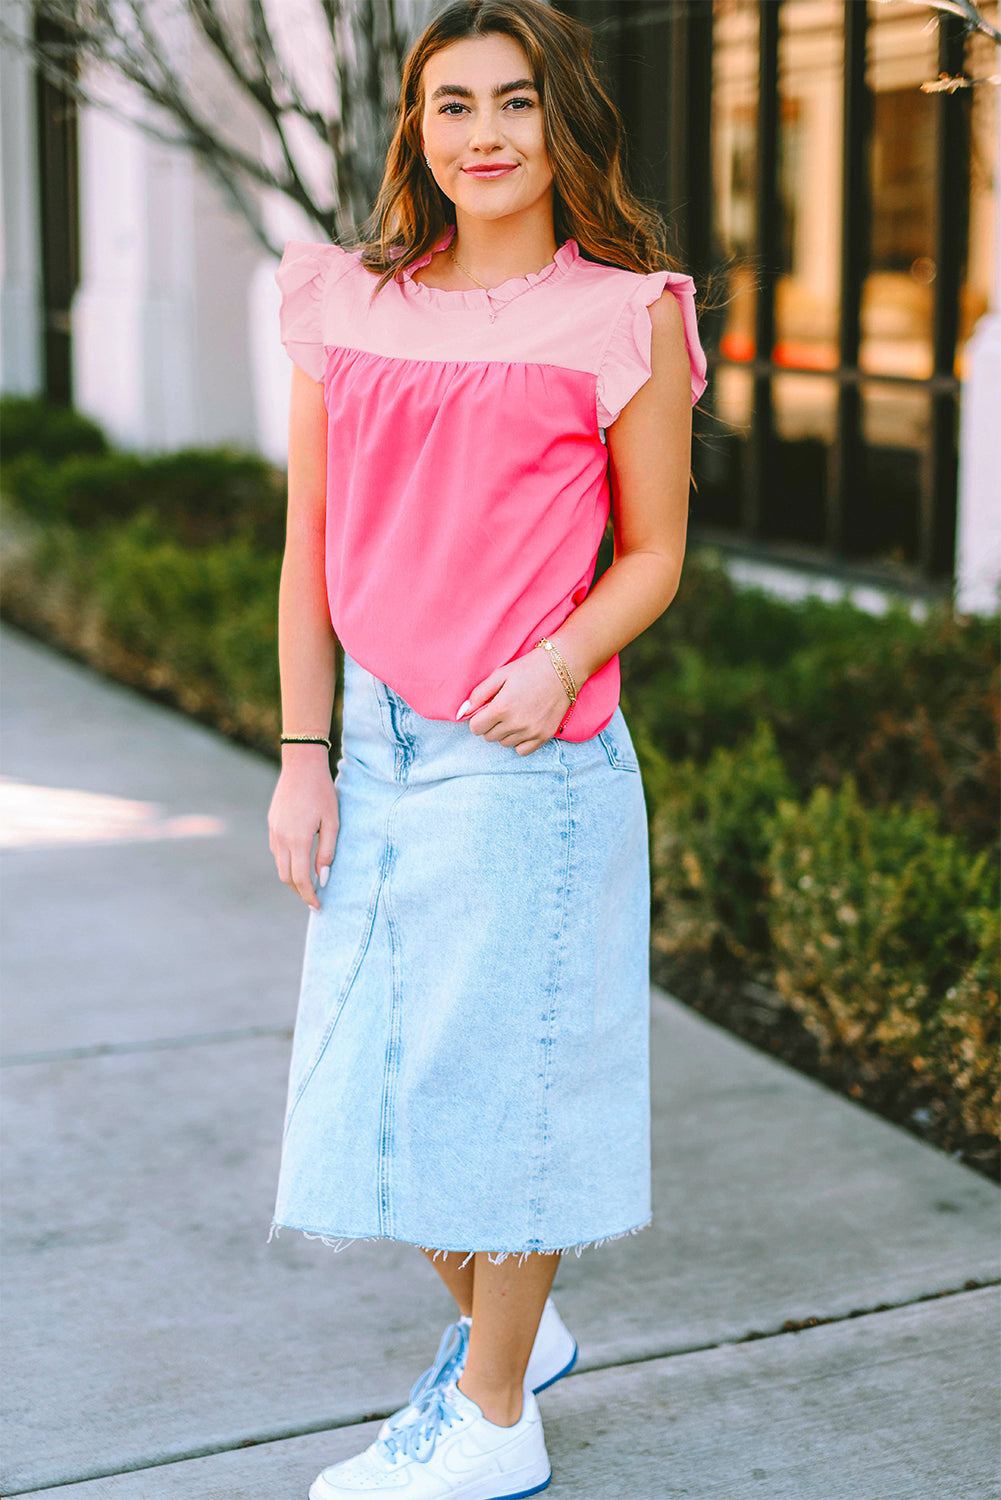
(496, 1257)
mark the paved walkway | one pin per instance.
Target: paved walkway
(157, 1347)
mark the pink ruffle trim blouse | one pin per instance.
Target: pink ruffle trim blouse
(467, 477)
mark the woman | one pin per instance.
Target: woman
(470, 1065)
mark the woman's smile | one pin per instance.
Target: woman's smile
(499, 169)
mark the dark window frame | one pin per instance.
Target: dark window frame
(59, 215)
(688, 27)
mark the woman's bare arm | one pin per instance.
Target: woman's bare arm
(305, 802)
(650, 453)
(649, 449)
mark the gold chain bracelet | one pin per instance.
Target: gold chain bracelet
(565, 675)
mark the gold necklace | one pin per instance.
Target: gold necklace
(468, 273)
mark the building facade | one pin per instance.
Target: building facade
(844, 224)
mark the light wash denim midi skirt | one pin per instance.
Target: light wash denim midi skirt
(470, 1066)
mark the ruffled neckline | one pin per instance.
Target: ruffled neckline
(479, 297)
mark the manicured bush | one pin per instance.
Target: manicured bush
(710, 838)
(195, 625)
(202, 495)
(909, 707)
(29, 424)
(884, 934)
(84, 490)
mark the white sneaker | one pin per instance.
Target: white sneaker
(449, 1451)
(554, 1352)
(553, 1355)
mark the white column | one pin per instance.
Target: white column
(271, 369)
(978, 521)
(132, 314)
(270, 366)
(160, 338)
(20, 228)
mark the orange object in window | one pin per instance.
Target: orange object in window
(737, 346)
(796, 356)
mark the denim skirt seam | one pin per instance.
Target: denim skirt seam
(339, 1004)
(551, 1004)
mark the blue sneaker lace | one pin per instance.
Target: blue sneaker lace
(447, 1366)
(417, 1437)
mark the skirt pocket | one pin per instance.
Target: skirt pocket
(617, 743)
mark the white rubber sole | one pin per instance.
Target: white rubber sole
(527, 1482)
(559, 1374)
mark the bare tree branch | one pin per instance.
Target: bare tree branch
(89, 39)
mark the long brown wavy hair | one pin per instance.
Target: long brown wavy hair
(584, 137)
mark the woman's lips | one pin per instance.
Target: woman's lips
(498, 171)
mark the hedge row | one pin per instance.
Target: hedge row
(823, 784)
(195, 626)
(880, 931)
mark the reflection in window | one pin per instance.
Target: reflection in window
(981, 62)
(811, 52)
(804, 407)
(898, 296)
(895, 421)
(805, 410)
(734, 397)
(735, 144)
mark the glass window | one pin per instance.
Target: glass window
(975, 292)
(719, 449)
(804, 411)
(734, 153)
(807, 295)
(895, 423)
(804, 406)
(898, 293)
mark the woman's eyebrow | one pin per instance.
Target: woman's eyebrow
(496, 91)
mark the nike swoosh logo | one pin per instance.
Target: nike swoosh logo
(462, 1455)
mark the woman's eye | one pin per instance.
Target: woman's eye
(447, 108)
(526, 102)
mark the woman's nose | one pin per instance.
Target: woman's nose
(485, 131)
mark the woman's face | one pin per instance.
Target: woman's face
(482, 127)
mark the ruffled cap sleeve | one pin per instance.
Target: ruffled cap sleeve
(301, 275)
(626, 365)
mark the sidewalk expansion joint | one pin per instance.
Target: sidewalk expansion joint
(154, 1044)
(583, 1367)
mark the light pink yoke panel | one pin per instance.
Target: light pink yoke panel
(585, 317)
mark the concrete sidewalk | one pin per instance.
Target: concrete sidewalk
(156, 1346)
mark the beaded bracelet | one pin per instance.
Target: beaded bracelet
(305, 739)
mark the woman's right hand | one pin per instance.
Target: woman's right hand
(304, 804)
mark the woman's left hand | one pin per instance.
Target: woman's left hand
(521, 704)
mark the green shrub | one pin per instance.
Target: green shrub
(203, 614)
(197, 625)
(911, 708)
(201, 495)
(83, 490)
(912, 713)
(710, 835)
(32, 425)
(884, 934)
